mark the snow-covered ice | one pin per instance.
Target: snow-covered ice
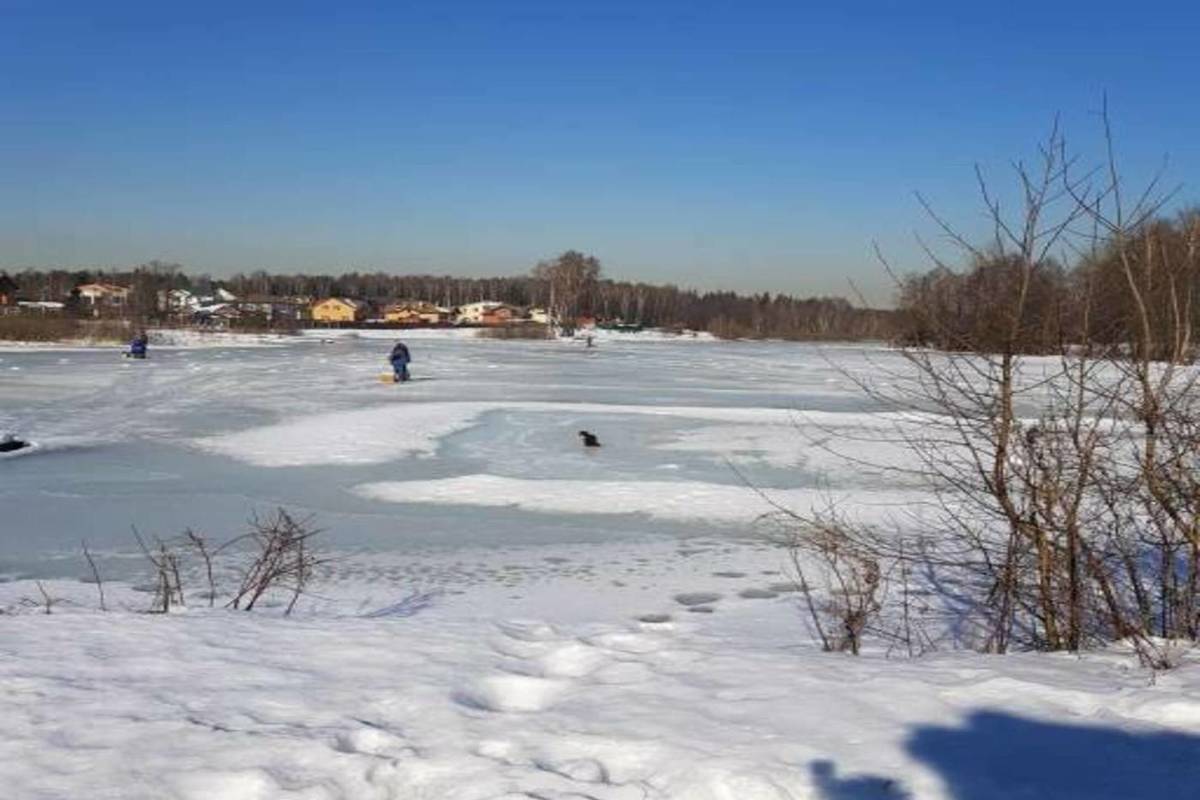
(505, 615)
(685, 500)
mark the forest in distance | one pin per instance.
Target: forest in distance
(572, 284)
(948, 307)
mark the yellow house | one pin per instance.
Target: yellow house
(338, 309)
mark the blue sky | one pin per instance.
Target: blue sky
(753, 146)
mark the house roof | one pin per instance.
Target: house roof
(108, 288)
(346, 301)
(420, 307)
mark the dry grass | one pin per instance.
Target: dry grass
(528, 330)
(47, 328)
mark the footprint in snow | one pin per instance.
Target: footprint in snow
(372, 741)
(697, 598)
(514, 693)
(757, 594)
(527, 630)
(573, 660)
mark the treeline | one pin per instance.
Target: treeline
(725, 314)
(1141, 289)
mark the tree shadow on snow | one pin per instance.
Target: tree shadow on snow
(997, 756)
(856, 787)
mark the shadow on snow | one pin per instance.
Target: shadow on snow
(998, 756)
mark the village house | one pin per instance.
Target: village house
(338, 309)
(273, 309)
(486, 312)
(416, 313)
(500, 315)
(219, 316)
(102, 294)
(102, 297)
(539, 315)
(177, 301)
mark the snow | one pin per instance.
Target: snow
(165, 338)
(385, 432)
(504, 615)
(364, 436)
(227, 705)
(667, 499)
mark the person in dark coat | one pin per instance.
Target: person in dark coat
(137, 347)
(400, 358)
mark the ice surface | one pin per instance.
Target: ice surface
(183, 438)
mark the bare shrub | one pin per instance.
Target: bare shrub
(47, 601)
(197, 542)
(280, 558)
(283, 561)
(1065, 491)
(848, 596)
(168, 585)
(95, 575)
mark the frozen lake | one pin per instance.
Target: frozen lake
(479, 451)
(506, 615)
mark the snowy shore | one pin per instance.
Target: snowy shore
(732, 705)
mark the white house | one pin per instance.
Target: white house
(474, 313)
(177, 301)
(102, 294)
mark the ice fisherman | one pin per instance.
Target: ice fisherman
(400, 358)
(137, 347)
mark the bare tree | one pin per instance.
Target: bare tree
(1066, 491)
(570, 279)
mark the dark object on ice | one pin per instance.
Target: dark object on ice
(8, 443)
(400, 358)
(137, 347)
(589, 439)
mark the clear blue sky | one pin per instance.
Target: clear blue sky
(753, 146)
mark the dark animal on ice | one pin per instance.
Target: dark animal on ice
(589, 439)
(8, 443)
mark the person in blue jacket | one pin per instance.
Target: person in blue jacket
(400, 359)
(137, 347)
